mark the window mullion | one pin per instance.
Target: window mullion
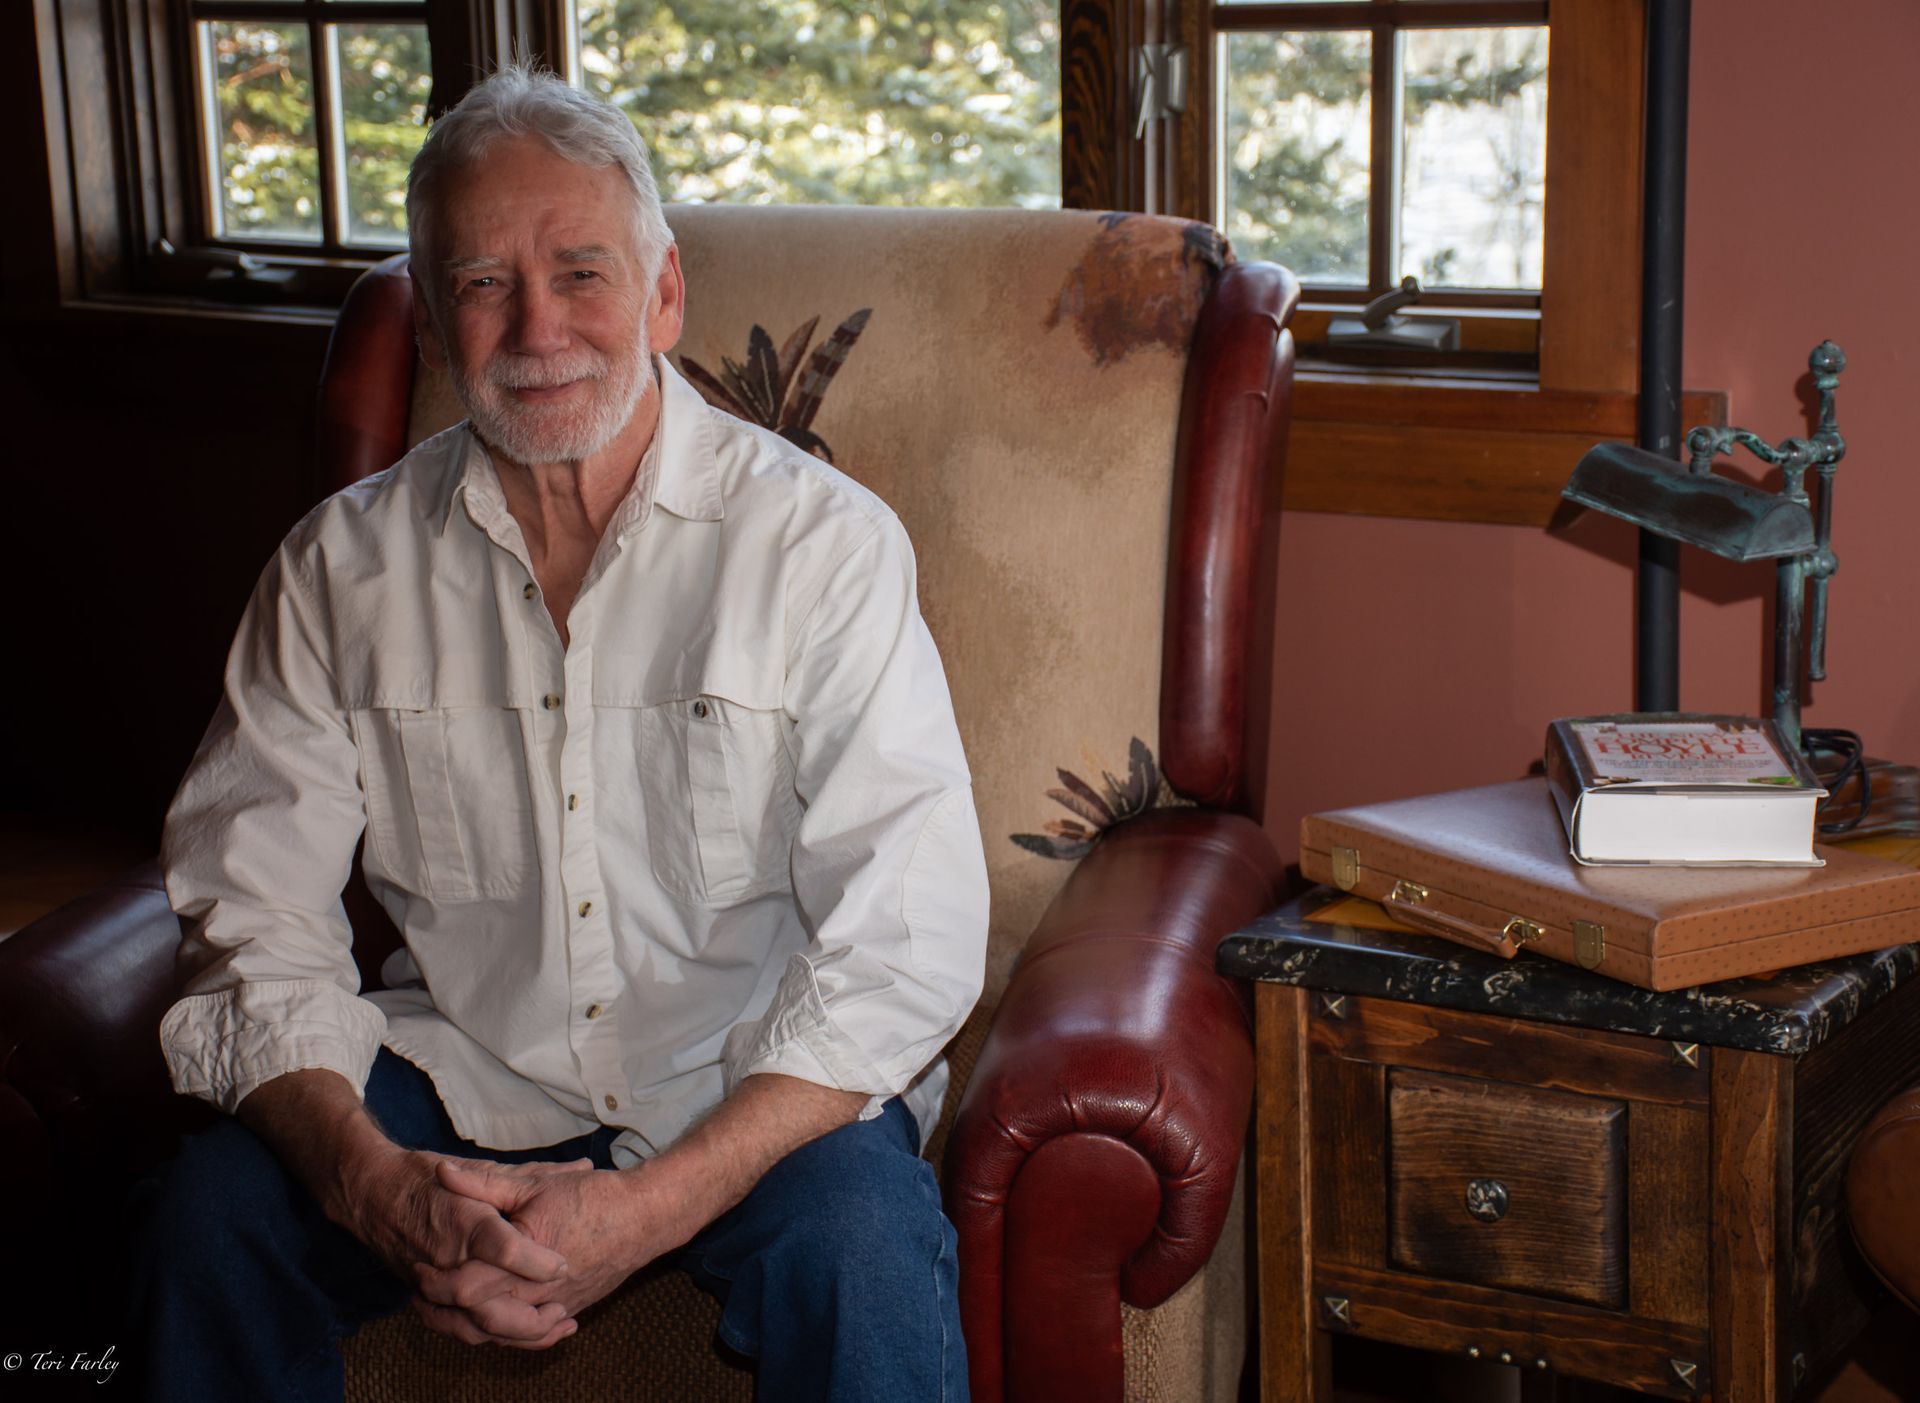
(325, 117)
(1383, 175)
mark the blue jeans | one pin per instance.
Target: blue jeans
(837, 1273)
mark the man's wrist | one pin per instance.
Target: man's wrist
(662, 1206)
(362, 1165)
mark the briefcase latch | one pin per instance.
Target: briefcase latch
(1521, 931)
(1589, 943)
(1346, 868)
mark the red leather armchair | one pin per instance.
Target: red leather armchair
(1093, 1159)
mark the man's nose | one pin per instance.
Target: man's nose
(540, 323)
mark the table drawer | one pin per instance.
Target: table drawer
(1508, 1186)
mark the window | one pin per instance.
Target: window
(834, 101)
(1548, 360)
(308, 115)
(1363, 141)
(252, 152)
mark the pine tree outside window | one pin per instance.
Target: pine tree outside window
(1362, 141)
(308, 115)
(872, 102)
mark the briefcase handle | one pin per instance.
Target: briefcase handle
(1407, 903)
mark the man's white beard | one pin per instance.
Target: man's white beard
(554, 433)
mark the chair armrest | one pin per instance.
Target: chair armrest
(82, 991)
(1095, 1152)
(1881, 1204)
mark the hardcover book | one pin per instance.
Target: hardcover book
(1682, 789)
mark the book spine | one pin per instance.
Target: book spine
(1563, 779)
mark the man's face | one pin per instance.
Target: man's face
(538, 302)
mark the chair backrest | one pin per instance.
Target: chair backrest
(1074, 415)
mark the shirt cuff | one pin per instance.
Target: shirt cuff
(796, 1037)
(222, 1046)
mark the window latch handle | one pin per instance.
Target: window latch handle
(1160, 76)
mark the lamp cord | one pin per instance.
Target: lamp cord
(1816, 741)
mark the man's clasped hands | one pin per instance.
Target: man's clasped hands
(501, 1253)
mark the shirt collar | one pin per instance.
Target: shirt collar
(678, 472)
(688, 482)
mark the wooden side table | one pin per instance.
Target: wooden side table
(1524, 1162)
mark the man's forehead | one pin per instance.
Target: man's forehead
(524, 193)
(563, 253)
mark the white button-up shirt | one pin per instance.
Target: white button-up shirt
(727, 829)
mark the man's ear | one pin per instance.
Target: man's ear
(433, 346)
(667, 313)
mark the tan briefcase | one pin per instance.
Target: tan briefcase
(1488, 867)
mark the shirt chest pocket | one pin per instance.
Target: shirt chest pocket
(449, 813)
(720, 803)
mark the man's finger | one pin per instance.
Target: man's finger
(487, 1183)
(509, 1319)
(464, 1286)
(449, 1322)
(460, 1326)
(497, 1241)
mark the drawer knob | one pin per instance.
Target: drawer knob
(1486, 1200)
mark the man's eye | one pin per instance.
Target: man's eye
(480, 282)
(580, 275)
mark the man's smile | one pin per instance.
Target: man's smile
(544, 394)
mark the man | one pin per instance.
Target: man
(658, 776)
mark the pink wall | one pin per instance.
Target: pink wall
(1417, 656)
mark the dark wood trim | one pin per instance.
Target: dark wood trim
(1092, 104)
(117, 106)
(1751, 1253)
(325, 11)
(1442, 297)
(1577, 1340)
(1590, 298)
(1437, 451)
(326, 115)
(1383, 175)
(1408, 14)
(1548, 1056)
(1190, 153)
(1295, 1355)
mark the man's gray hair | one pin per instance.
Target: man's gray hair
(518, 101)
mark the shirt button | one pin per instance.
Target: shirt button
(573, 801)
(700, 710)
(586, 908)
(594, 1010)
(527, 593)
(551, 701)
(612, 1103)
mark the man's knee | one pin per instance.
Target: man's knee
(870, 1215)
(225, 1184)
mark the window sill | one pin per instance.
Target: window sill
(1440, 448)
(241, 324)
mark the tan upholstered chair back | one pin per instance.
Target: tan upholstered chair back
(1014, 394)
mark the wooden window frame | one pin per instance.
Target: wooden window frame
(1423, 445)
(316, 16)
(1428, 445)
(1383, 20)
(126, 173)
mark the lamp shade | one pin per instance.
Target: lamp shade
(1714, 513)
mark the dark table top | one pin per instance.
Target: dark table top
(1791, 1012)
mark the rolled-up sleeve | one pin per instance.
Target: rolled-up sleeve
(259, 842)
(888, 868)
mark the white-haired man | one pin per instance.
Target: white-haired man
(658, 777)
